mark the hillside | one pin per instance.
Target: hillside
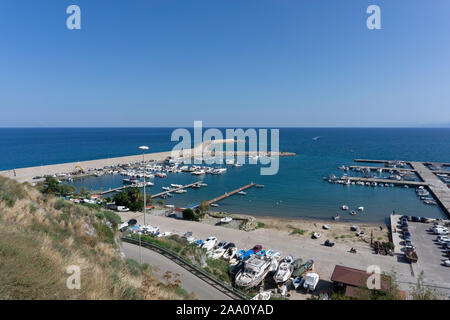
(41, 236)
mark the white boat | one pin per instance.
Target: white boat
(230, 253)
(316, 235)
(273, 265)
(169, 206)
(311, 280)
(262, 296)
(214, 205)
(198, 173)
(353, 212)
(219, 171)
(273, 254)
(284, 271)
(166, 188)
(325, 227)
(176, 185)
(255, 270)
(242, 193)
(361, 208)
(344, 207)
(216, 253)
(237, 164)
(209, 243)
(226, 220)
(181, 191)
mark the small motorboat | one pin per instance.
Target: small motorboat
(336, 217)
(360, 208)
(311, 281)
(214, 205)
(298, 282)
(344, 207)
(243, 193)
(284, 271)
(273, 265)
(325, 227)
(230, 253)
(226, 220)
(308, 266)
(353, 212)
(262, 296)
(316, 235)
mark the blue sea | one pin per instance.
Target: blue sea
(298, 190)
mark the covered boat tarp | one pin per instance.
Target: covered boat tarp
(298, 263)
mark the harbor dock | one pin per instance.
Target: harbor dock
(176, 189)
(229, 194)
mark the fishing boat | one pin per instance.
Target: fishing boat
(284, 271)
(255, 270)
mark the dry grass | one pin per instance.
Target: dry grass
(41, 236)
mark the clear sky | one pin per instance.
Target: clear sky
(229, 63)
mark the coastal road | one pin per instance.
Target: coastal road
(161, 264)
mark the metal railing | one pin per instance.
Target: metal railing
(211, 280)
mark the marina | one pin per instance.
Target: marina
(428, 178)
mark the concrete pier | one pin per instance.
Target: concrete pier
(429, 179)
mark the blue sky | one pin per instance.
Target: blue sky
(229, 63)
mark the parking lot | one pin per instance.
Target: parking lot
(431, 256)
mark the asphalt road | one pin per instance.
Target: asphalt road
(161, 264)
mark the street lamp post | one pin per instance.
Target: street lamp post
(144, 148)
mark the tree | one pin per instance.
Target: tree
(131, 198)
(53, 186)
(188, 214)
(204, 206)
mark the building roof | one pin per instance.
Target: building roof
(356, 277)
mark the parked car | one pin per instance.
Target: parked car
(415, 219)
(407, 234)
(407, 238)
(442, 239)
(447, 263)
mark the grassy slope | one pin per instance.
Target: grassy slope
(40, 236)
